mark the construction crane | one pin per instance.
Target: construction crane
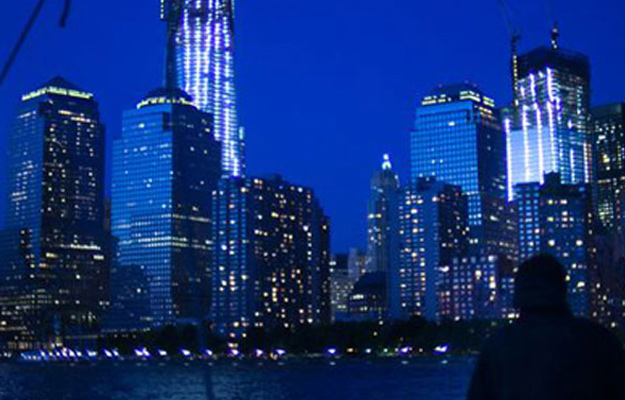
(26, 31)
(515, 36)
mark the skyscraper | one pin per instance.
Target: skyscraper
(54, 252)
(272, 256)
(166, 165)
(548, 126)
(556, 218)
(608, 134)
(201, 62)
(433, 231)
(382, 218)
(458, 139)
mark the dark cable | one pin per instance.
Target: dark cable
(65, 15)
(22, 39)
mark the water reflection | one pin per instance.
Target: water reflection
(323, 379)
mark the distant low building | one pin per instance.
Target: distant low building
(340, 286)
(367, 301)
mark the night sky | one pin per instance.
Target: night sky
(326, 86)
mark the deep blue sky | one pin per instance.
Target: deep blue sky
(326, 86)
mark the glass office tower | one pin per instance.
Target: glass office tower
(272, 256)
(458, 139)
(548, 127)
(201, 48)
(166, 165)
(608, 133)
(54, 248)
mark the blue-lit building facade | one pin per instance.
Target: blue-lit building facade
(201, 51)
(53, 252)
(272, 257)
(458, 139)
(556, 218)
(166, 165)
(433, 231)
(548, 127)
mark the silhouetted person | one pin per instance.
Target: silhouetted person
(548, 354)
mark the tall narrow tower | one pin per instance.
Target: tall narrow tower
(201, 62)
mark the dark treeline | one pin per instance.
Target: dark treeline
(355, 337)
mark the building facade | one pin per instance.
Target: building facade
(608, 135)
(478, 287)
(433, 231)
(166, 165)
(548, 127)
(54, 250)
(340, 286)
(458, 139)
(556, 218)
(201, 62)
(272, 257)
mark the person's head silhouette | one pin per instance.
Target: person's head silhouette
(541, 285)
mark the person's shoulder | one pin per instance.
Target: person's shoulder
(595, 331)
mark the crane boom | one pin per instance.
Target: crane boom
(515, 37)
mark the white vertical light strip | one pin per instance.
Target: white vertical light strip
(526, 147)
(509, 158)
(572, 161)
(587, 161)
(541, 160)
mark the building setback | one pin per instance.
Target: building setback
(272, 257)
(166, 165)
(54, 249)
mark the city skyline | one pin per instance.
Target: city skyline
(349, 225)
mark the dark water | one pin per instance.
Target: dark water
(346, 380)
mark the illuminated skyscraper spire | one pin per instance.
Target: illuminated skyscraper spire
(386, 163)
(201, 34)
